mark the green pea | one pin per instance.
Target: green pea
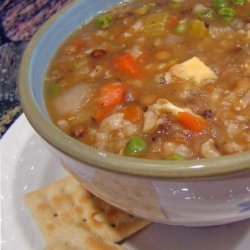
(218, 4)
(103, 21)
(176, 157)
(227, 12)
(135, 146)
(180, 29)
(206, 14)
(239, 2)
(54, 88)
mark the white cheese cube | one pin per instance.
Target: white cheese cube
(195, 70)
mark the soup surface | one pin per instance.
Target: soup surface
(157, 79)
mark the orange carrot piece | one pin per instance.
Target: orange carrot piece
(172, 22)
(190, 121)
(112, 94)
(102, 113)
(133, 113)
(128, 65)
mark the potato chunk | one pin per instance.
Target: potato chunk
(71, 101)
(150, 121)
(194, 69)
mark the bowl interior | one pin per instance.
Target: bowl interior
(34, 65)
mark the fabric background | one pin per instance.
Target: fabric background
(19, 20)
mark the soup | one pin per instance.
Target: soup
(157, 79)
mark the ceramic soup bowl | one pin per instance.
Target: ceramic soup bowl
(191, 193)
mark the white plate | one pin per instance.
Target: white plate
(27, 165)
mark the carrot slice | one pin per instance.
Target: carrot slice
(172, 22)
(128, 65)
(112, 94)
(190, 121)
(133, 113)
(102, 113)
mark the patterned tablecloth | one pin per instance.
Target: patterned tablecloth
(19, 20)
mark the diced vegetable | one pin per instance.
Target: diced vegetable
(239, 2)
(206, 14)
(175, 157)
(136, 146)
(112, 94)
(194, 69)
(191, 121)
(172, 22)
(128, 65)
(150, 121)
(199, 7)
(103, 21)
(133, 113)
(208, 149)
(227, 14)
(155, 24)
(218, 4)
(102, 113)
(141, 10)
(184, 116)
(198, 28)
(54, 88)
(112, 122)
(175, 5)
(73, 100)
(163, 105)
(180, 29)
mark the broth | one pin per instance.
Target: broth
(157, 79)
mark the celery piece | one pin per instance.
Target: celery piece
(175, 5)
(54, 88)
(239, 2)
(197, 28)
(227, 12)
(180, 29)
(103, 21)
(218, 4)
(155, 24)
